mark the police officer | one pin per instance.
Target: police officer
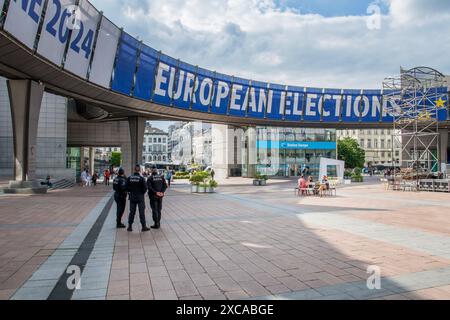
(156, 185)
(120, 196)
(137, 188)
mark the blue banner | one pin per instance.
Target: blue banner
(204, 89)
(222, 90)
(275, 103)
(330, 105)
(145, 74)
(294, 105)
(257, 100)
(167, 81)
(125, 64)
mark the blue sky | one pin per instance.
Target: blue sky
(331, 8)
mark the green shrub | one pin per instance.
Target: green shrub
(213, 183)
(260, 176)
(199, 177)
(180, 177)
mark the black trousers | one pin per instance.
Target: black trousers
(141, 205)
(121, 203)
(156, 204)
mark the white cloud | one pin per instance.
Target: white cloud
(255, 39)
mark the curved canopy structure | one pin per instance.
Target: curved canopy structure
(77, 52)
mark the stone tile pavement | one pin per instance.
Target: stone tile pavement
(248, 242)
(32, 227)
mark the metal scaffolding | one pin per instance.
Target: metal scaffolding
(414, 100)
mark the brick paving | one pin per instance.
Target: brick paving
(246, 242)
(33, 226)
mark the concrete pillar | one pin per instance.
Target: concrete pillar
(252, 152)
(25, 98)
(443, 147)
(91, 160)
(137, 129)
(219, 150)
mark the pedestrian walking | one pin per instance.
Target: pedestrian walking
(212, 174)
(156, 186)
(137, 188)
(168, 177)
(94, 178)
(107, 174)
(84, 178)
(120, 196)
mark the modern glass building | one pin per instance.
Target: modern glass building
(291, 151)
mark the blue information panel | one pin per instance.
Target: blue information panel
(145, 75)
(297, 145)
(125, 64)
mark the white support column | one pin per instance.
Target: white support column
(91, 160)
(25, 101)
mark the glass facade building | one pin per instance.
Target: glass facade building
(291, 151)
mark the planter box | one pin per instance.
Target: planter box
(194, 188)
(347, 181)
(258, 182)
(201, 189)
(209, 190)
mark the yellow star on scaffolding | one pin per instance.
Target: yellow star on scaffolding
(440, 103)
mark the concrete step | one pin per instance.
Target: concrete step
(40, 190)
(62, 184)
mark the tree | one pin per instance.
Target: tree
(115, 158)
(350, 152)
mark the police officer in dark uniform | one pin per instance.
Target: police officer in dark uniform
(120, 196)
(156, 185)
(137, 188)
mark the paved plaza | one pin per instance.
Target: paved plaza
(243, 242)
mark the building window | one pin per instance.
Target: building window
(369, 143)
(361, 143)
(382, 143)
(375, 143)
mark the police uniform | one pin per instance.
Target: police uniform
(137, 188)
(156, 183)
(120, 196)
